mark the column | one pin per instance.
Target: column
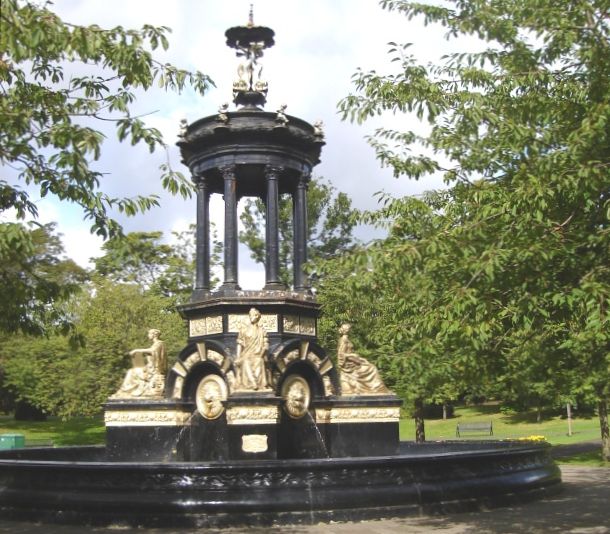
(272, 235)
(230, 244)
(202, 237)
(299, 203)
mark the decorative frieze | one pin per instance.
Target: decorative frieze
(252, 415)
(359, 414)
(268, 321)
(295, 324)
(147, 418)
(203, 326)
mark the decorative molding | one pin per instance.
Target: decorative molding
(147, 418)
(252, 415)
(254, 443)
(358, 415)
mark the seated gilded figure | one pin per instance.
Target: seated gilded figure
(252, 346)
(146, 378)
(358, 375)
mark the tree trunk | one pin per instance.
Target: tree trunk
(420, 433)
(444, 411)
(569, 409)
(605, 431)
(538, 413)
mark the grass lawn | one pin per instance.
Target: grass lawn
(554, 429)
(590, 459)
(77, 431)
(91, 431)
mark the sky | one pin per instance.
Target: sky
(319, 45)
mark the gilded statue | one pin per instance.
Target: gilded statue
(252, 346)
(146, 378)
(358, 375)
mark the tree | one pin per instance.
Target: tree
(143, 259)
(48, 119)
(59, 378)
(518, 267)
(330, 223)
(35, 281)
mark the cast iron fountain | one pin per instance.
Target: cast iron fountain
(254, 423)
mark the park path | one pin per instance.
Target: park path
(583, 507)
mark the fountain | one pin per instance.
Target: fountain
(254, 424)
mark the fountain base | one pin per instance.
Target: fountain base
(79, 485)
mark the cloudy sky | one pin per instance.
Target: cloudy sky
(319, 45)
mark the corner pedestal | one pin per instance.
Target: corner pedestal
(148, 430)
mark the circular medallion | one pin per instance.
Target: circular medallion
(211, 391)
(296, 394)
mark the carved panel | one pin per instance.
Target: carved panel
(205, 325)
(236, 321)
(358, 415)
(268, 321)
(294, 324)
(252, 415)
(213, 324)
(254, 443)
(147, 418)
(291, 324)
(197, 327)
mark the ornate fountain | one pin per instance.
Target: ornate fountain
(253, 423)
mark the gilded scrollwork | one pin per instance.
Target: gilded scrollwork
(146, 417)
(197, 327)
(387, 414)
(260, 415)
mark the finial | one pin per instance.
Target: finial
(249, 41)
(251, 17)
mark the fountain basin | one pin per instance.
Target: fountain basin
(78, 485)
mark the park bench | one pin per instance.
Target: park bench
(474, 427)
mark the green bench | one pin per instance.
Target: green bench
(480, 428)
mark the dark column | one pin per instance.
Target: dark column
(300, 233)
(202, 251)
(230, 244)
(272, 236)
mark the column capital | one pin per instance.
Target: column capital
(273, 172)
(227, 171)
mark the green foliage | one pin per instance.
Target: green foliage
(35, 281)
(503, 280)
(143, 259)
(47, 117)
(66, 380)
(330, 219)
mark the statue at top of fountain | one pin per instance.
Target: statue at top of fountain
(146, 378)
(358, 375)
(252, 346)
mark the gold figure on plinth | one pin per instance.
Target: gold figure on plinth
(146, 378)
(252, 346)
(358, 375)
